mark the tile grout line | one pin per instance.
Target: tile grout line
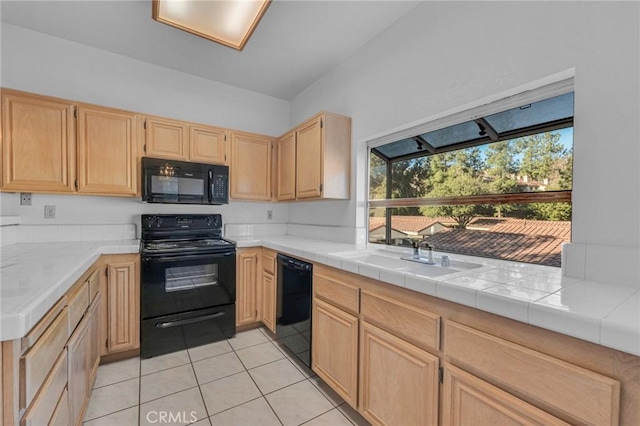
(254, 382)
(307, 379)
(204, 403)
(263, 395)
(109, 413)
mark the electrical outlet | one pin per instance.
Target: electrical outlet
(49, 212)
(269, 214)
(25, 198)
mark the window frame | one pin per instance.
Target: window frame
(474, 114)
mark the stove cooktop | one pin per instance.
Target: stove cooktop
(183, 234)
(157, 246)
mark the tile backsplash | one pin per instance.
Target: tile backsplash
(254, 229)
(53, 233)
(339, 234)
(600, 263)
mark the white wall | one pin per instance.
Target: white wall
(43, 64)
(446, 54)
(39, 63)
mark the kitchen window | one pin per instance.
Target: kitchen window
(497, 185)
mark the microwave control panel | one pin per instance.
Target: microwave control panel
(219, 187)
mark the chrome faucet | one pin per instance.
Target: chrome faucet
(417, 245)
(428, 247)
(414, 245)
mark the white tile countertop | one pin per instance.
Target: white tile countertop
(34, 276)
(603, 313)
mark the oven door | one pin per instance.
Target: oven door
(176, 283)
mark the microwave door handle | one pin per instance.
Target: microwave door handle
(209, 187)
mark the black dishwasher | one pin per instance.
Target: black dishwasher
(293, 308)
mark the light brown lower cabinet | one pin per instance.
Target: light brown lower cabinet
(78, 381)
(84, 358)
(424, 361)
(46, 376)
(398, 381)
(247, 276)
(93, 357)
(47, 401)
(120, 323)
(61, 413)
(268, 301)
(335, 349)
(467, 400)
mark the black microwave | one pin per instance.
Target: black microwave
(181, 182)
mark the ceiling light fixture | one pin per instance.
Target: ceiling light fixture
(228, 22)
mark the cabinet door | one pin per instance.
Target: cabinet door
(123, 306)
(250, 166)
(247, 286)
(78, 380)
(268, 296)
(208, 145)
(60, 415)
(398, 381)
(468, 400)
(93, 356)
(309, 159)
(286, 167)
(107, 151)
(166, 138)
(38, 144)
(335, 349)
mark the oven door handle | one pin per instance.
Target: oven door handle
(178, 323)
(192, 257)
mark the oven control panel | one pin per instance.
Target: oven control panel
(195, 222)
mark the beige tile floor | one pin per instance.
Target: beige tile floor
(248, 380)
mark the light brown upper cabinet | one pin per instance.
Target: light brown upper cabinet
(286, 167)
(54, 146)
(107, 151)
(250, 166)
(323, 157)
(38, 143)
(179, 140)
(208, 144)
(166, 138)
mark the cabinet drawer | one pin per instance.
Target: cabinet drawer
(78, 304)
(467, 399)
(269, 261)
(405, 321)
(94, 285)
(38, 330)
(37, 362)
(568, 391)
(44, 405)
(337, 293)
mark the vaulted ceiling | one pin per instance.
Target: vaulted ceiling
(295, 43)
